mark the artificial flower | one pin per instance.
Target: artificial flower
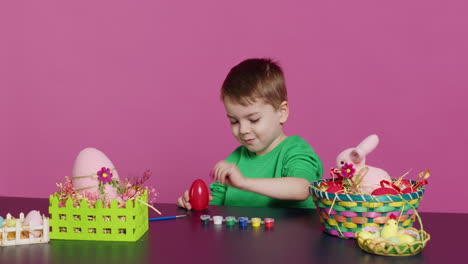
(347, 170)
(104, 175)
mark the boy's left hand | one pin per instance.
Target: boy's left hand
(228, 173)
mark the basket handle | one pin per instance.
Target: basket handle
(415, 211)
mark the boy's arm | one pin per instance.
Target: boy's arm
(297, 173)
(298, 170)
(218, 191)
(286, 188)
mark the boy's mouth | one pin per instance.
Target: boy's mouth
(249, 141)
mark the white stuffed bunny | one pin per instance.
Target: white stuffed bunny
(357, 157)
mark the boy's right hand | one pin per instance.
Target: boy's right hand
(229, 174)
(184, 201)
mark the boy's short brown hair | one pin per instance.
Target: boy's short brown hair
(254, 79)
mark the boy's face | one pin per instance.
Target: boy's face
(257, 126)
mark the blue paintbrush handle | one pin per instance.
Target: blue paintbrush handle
(166, 217)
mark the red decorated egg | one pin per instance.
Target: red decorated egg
(384, 190)
(332, 187)
(335, 189)
(199, 195)
(392, 189)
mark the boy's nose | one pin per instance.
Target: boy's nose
(244, 128)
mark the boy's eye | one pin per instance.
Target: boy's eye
(254, 120)
(233, 122)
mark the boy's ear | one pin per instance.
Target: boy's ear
(284, 112)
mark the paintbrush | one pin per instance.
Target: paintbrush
(166, 217)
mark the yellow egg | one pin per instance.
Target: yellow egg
(10, 223)
(394, 240)
(366, 235)
(407, 239)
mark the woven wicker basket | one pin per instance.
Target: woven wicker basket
(387, 248)
(345, 214)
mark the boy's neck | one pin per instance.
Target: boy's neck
(273, 144)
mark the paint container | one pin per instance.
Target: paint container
(205, 219)
(230, 220)
(217, 220)
(256, 222)
(243, 221)
(269, 222)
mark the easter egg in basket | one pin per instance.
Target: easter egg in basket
(386, 188)
(344, 214)
(199, 195)
(332, 187)
(91, 166)
(392, 240)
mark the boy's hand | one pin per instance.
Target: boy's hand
(184, 201)
(228, 173)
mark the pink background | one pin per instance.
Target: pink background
(140, 81)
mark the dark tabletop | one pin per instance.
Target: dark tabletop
(295, 238)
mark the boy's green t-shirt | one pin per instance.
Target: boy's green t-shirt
(293, 157)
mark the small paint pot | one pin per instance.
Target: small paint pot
(243, 221)
(230, 220)
(269, 222)
(217, 220)
(256, 222)
(205, 219)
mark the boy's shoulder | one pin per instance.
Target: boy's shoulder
(297, 147)
(297, 142)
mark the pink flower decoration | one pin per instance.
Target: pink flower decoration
(104, 175)
(347, 170)
(128, 194)
(371, 229)
(91, 196)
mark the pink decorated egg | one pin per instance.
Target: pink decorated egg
(33, 218)
(199, 195)
(88, 164)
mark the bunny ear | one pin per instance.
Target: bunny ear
(368, 144)
(356, 156)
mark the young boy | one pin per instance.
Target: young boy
(270, 169)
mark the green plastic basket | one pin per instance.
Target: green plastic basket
(98, 223)
(345, 214)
